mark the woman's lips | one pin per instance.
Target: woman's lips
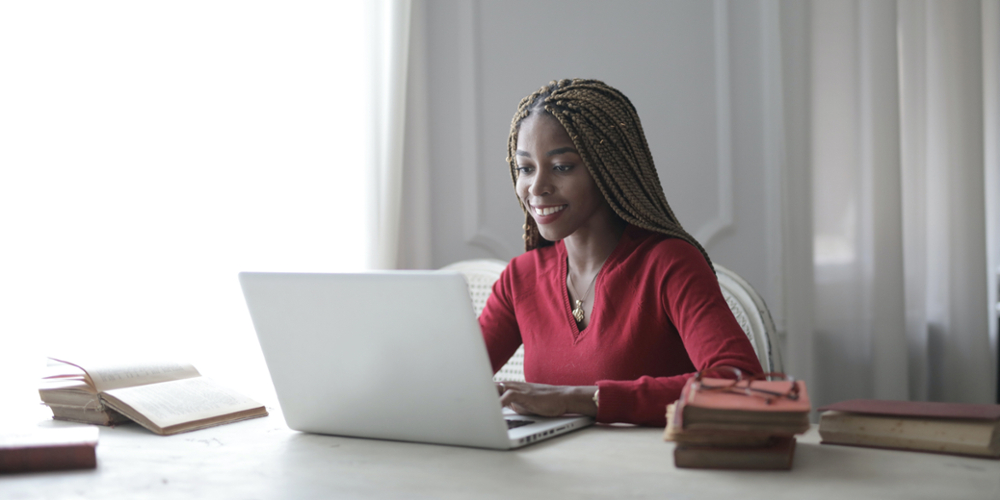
(547, 214)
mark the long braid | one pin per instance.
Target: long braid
(605, 128)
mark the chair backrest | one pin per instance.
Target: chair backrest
(745, 303)
(752, 315)
(480, 274)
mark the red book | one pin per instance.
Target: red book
(703, 405)
(920, 409)
(41, 449)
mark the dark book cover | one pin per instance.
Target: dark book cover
(42, 449)
(777, 456)
(917, 409)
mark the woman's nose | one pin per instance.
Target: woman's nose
(541, 184)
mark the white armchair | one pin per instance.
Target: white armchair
(752, 315)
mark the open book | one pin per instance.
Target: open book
(163, 397)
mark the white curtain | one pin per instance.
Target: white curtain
(150, 151)
(901, 139)
(390, 54)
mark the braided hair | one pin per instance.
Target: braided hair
(605, 128)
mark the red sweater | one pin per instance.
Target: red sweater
(658, 317)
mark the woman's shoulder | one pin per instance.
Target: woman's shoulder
(542, 260)
(675, 265)
(527, 271)
(660, 249)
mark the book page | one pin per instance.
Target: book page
(61, 384)
(180, 401)
(55, 369)
(105, 376)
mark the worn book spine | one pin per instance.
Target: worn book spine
(711, 437)
(41, 458)
(106, 417)
(952, 436)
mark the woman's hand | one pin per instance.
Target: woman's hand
(547, 400)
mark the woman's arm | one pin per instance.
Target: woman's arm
(499, 323)
(690, 295)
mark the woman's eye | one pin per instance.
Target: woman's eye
(562, 168)
(524, 170)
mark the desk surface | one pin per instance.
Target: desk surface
(262, 458)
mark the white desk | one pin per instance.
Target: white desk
(262, 458)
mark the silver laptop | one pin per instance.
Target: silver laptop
(389, 355)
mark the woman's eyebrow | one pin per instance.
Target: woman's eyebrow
(559, 151)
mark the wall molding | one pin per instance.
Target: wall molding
(773, 112)
(723, 220)
(475, 231)
(477, 234)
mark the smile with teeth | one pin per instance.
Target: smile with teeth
(543, 211)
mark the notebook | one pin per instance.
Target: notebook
(389, 355)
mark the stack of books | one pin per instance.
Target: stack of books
(729, 424)
(164, 397)
(70, 396)
(952, 428)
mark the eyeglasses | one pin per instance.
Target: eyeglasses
(743, 385)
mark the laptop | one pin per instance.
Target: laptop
(388, 355)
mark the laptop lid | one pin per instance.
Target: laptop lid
(391, 355)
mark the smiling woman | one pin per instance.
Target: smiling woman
(554, 185)
(651, 314)
(151, 151)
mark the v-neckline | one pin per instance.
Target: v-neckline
(575, 330)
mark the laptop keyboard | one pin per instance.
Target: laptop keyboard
(513, 423)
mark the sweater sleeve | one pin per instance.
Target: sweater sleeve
(499, 323)
(712, 337)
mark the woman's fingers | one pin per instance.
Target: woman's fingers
(510, 393)
(506, 395)
(532, 399)
(547, 400)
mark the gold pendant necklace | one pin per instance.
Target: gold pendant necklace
(578, 313)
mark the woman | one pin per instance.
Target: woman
(615, 303)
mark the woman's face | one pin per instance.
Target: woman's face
(552, 181)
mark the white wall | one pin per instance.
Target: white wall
(697, 72)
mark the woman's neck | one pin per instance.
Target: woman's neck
(590, 246)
